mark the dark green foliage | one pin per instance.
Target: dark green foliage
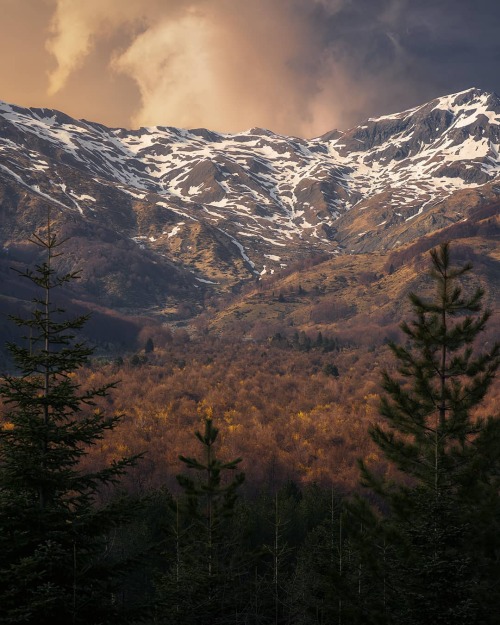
(302, 342)
(277, 528)
(55, 542)
(331, 369)
(429, 418)
(280, 524)
(321, 563)
(432, 576)
(340, 576)
(448, 502)
(137, 360)
(201, 585)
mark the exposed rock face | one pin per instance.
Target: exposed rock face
(204, 207)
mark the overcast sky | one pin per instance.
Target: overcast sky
(299, 67)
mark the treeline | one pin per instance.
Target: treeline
(292, 413)
(287, 555)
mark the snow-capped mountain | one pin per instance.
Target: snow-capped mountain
(227, 206)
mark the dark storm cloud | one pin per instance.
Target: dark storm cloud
(407, 51)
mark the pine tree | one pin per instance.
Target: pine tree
(56, 564)
(201, 586)
(440, 567)
(321, 566)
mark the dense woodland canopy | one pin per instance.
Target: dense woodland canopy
(290, 544)
(278, 407)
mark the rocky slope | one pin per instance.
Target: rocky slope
(161, 214)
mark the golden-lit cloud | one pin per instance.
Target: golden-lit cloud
(173, 65)
(72, 29)
(223, 64)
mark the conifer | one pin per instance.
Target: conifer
(438, 566)
(201, 586)
(56, 563)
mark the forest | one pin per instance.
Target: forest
(290, 479)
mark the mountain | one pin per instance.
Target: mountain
(163, 216)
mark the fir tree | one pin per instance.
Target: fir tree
(56, 564)
(201, 586)
(438, 566)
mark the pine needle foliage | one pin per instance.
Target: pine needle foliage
(443, 557)
(204, 583)
(56, 562)
(429, 429)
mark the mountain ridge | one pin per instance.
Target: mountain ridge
(214, 209)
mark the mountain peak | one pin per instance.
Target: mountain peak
(469, 100)
(257, 200)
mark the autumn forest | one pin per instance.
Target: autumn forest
(338, 473)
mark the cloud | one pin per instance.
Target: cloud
(72, 28)
(295, 66)
(223, 64)
(214, 66)
(173, 65)
(76, 28)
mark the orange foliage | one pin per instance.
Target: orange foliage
(275, 407)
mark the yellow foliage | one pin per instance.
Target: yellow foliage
(163, 415)
(304, 468)
(230, 416)
(205, 411)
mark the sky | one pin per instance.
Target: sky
(296, 67)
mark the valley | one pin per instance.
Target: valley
(249, 289)
(268, 260)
